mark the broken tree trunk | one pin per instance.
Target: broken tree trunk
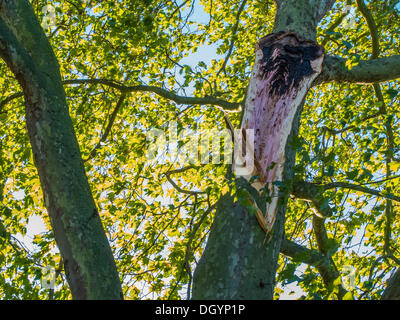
(239, 262)
(283, 72)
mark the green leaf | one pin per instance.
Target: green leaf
(352, 174)
(348, 296)
(392, 93)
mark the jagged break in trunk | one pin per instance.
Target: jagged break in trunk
(238, 261)
(284, 70)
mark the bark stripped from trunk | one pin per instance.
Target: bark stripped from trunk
(284, 70)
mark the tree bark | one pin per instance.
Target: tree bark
(392, 291)
(78, 231)
(240, 261)
(365, 72)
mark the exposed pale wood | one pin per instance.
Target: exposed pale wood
(284, 70)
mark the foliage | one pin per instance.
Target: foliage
(157, 233)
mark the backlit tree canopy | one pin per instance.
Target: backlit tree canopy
(130, 67)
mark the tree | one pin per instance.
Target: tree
(321, 98)
(88, 261)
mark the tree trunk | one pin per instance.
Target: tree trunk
(392, 291)
(88, 260)
(240, 261)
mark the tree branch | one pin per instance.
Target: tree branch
(324, 246)
(313, 258)
(207, 100)
(366, 72)
(332, 27)
(312, 191)
(239, 12)
(321, 235)
(372, 27)
(109, 126)
(179, 189)
(304, 255)
(371, 71)
(387, 122)
(356, 187)
(9, 99)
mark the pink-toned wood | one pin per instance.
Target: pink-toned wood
(283, 72)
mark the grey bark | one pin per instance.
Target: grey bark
(365, 72)
(78, 231)
(240, 261)
(323, 263)
(301, 17)
(392, 291)
(237, 262)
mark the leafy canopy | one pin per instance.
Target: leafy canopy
(197, 48)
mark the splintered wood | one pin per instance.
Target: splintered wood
(283, 72)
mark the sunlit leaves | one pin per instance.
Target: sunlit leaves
(156, 232)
